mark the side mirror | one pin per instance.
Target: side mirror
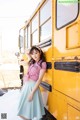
(17, 54)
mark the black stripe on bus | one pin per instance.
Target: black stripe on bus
(44, 44)
(49, 65)
(67, 66)
(46, 86)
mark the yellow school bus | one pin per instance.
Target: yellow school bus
(55, 27)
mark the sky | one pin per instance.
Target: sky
(13, 14)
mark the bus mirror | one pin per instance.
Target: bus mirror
(17, 54)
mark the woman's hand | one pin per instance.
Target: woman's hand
(30, 97)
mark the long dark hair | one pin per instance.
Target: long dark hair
(42, 56)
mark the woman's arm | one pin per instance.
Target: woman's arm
(41, 74)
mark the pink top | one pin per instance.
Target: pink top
(34, 70)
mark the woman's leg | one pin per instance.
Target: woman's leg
(23, 117)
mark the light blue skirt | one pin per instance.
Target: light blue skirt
(34, 108)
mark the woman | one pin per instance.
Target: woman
(30, 103)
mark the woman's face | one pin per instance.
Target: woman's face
(35, 55)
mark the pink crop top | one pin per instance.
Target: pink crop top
(34, 70)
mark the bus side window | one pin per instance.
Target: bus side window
(45, 21)
(28, 37)
(69, 14)
(34, 33)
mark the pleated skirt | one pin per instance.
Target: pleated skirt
(30, 109)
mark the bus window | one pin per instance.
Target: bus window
(26, 38)
(28, 41)
(35, 23)
(66, 12)
(45, 20)
(35, 39)
(46, 30)
(45, 12)
(21, 40)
